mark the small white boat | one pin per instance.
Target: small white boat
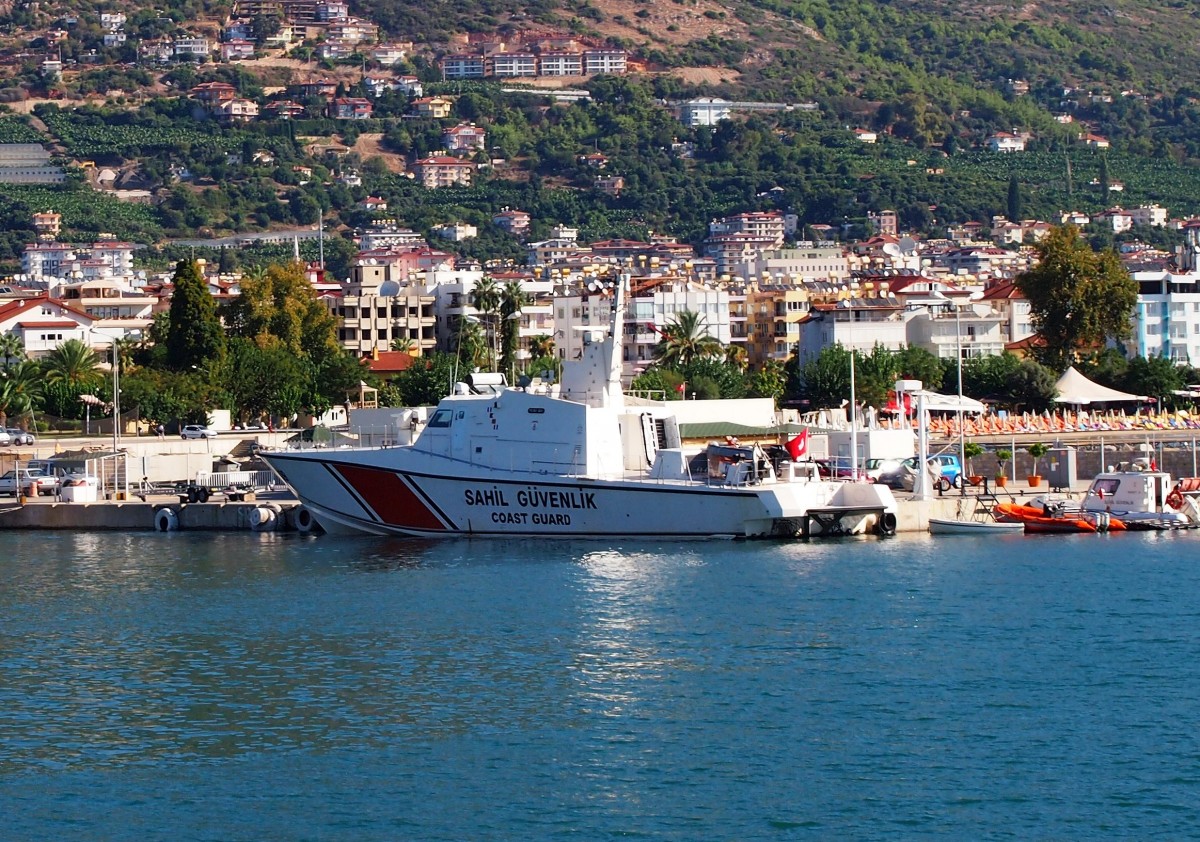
(945, 526)
(1145, 499)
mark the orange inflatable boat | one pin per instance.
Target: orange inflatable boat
(1050, 519)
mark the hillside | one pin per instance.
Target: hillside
(933, 79)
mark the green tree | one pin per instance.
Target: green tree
(20, 388)
(73, 364)
(770, 381)
(1155, 377)
(195, 337)
(427, 380)
(823, 381)
(12, 349)
(1078, 298)
(512, 299)
(486, 298)
(913, 363)
(1014, 200)
(685, 340)
(1034, 387)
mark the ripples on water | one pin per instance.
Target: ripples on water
(221, 687)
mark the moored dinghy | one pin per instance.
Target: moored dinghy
(979, 521)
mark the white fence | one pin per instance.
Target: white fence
(238, 479)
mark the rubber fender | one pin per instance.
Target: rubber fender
(165, 520)
(887, 524)
(304, 520)
(262, 519)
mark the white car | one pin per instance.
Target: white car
(12, 482)
(5, 438)
(20, 437)
(197, 431)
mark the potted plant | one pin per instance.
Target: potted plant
(1002, 457)
(1037, 450)
(970, 451)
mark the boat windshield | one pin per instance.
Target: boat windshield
(1106, 487)
(441, 418)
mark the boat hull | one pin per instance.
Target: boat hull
(1036, 521)
(941, 526)
(391, 492)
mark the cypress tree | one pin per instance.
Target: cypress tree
(1014, 200)
(194, 336)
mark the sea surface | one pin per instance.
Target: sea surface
(188, 686)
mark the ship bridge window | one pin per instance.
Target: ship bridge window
(1106, 487)
(441, 418)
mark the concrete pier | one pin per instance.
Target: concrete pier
(137, 515)
(912, 516)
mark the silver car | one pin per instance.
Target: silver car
(20, 437)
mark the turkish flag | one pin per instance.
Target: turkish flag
(798, 446)
(679, 388)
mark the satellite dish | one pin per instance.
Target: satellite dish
(908, 245)
(891, 249)
(593, 286)
(389, 289)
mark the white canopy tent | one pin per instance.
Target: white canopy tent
(1075, 389)
(951, 403)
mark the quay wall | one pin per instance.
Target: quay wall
(912, 515)
(222, 516)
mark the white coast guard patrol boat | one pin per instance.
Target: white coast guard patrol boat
(580, 464)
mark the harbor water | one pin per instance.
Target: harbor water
(247, 686)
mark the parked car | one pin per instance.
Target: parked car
(19, 437)
(945, 464)
(13, 481)
(198, 431)
(879, 470)
(951, 467)
(5, 438)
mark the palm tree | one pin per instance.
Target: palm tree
(541, 345)
(403, 344)
(735, 355)
(126, 346)
(686, 340)
(20, 386)
(11, 348)
(486, 299)
(512, 299)
(73, 364)
(472, 343)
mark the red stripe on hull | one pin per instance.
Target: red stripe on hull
(390, 498)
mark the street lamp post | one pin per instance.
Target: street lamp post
(853, 397)
(962, 443)
(116, 395)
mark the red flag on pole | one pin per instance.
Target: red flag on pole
(798, 446)
(679, 388)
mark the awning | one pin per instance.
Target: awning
(1074, 388)
(951, 403)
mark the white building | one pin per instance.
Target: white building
(1150, 215)
(974, 329)
(704, 111)
(859, 324)
(806, 263)
(604, 61)
(191, 47)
